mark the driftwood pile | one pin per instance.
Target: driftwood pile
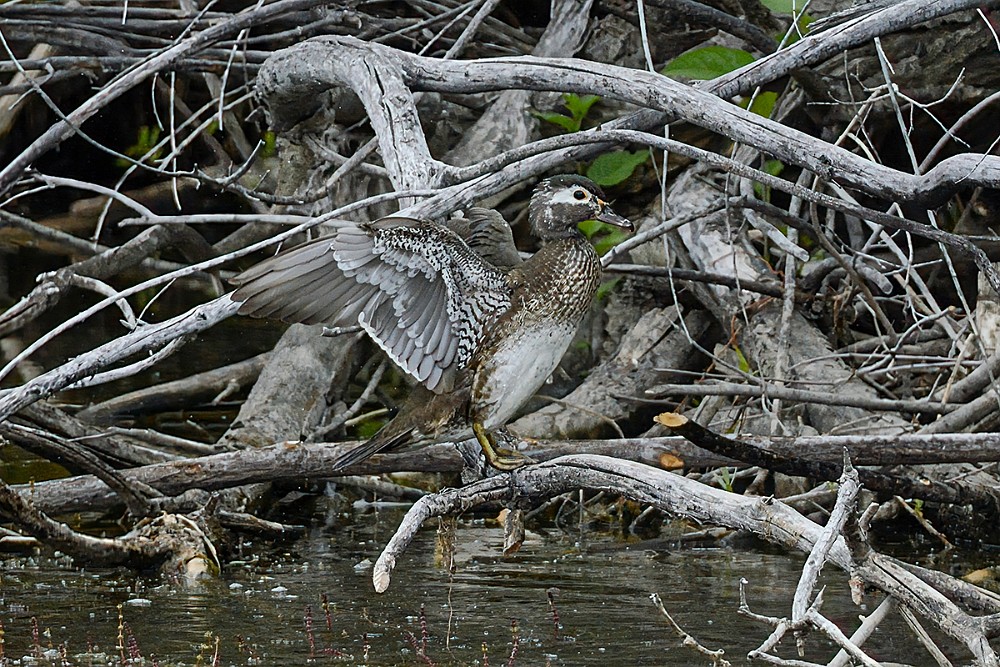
(808, 282)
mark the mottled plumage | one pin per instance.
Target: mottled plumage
(480, 337)
(415, 287)
(489, 236)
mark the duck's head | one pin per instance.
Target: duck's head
(561, 203)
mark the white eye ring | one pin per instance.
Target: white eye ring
(579, 195)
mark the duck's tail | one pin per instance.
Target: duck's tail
(372, 447)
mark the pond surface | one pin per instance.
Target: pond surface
(257, 613)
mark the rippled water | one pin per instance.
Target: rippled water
(257, 611)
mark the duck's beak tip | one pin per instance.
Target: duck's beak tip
(610, 217)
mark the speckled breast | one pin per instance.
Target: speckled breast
(527, 345)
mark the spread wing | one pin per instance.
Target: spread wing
(418, 290)
(491, 237)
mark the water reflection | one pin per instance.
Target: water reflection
(259, 611)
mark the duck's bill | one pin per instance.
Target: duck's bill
(612, 218)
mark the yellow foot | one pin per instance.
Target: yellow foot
(498, 457)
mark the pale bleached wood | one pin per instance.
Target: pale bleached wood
(677, 495)
(297, 461)
(325, 63)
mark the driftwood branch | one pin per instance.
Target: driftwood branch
(315, 66)
(142, 339)
(136, 74)
(297, 461)
(142, 547)
(384, 79)
(926, 489)
(316, 460)
(674, 494)
(716, 656)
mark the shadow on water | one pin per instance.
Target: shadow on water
(260, 610)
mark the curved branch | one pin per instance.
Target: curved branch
(325, 62)
(678, 495)
(138, 73)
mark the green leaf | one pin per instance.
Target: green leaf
(784, 6)
(804, 20)
(579, 106)
(590, 227)
(609, 241)
(270, 144)
(613, 168)
(369, 428)
(741, 360)
(794, 8)
(707, 62)
(726, 478)
(763, 104)
(146, 139)
(773, 167)
(606, 288)
(563, 121)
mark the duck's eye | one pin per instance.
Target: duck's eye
(579, 195)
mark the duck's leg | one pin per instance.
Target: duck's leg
(498, 457)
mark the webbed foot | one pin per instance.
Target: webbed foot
(499, 457)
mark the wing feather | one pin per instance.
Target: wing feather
(415, 287)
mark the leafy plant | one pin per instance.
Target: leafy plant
(604, 237)
(606, 288)
(793, 7)
(577, 106)
(270, 144)
(774, 168)
(763, 103)
(726, 478)
(368, 428)
(614, 167)
(144, 143)
(741, 359)
(708, 62)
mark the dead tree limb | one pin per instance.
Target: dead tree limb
(142, 339)
(925, 489)
(298, 461)
(140, 72)
(677, 495)
(301, 73)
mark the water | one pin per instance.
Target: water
(257, 610)
(255, 613)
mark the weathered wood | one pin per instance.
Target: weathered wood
(142, 339)
(675, 494)
(198, 388)
(815, 366)
(297, 461)
(880, 482)
(317, 65)
(290, 396)
(657, 341)
(507, 123)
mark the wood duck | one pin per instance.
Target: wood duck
(479, 339)
(489, 235)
